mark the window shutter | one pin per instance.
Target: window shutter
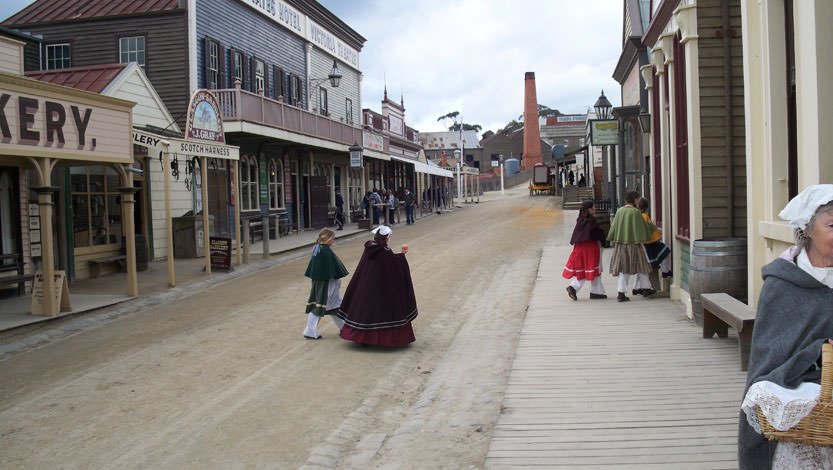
(244, 64)
(265, 79)
(206, 61)
(222, 80)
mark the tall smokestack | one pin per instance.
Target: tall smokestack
(532, 134)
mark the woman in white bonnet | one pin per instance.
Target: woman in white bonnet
(794, 318)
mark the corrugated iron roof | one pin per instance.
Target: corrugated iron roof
(51, 11)
(94, 78)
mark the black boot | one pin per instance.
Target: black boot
(622, 297)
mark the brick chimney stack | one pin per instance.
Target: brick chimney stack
(532, 134)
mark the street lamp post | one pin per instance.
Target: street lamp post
(335, 79)
(602, 108)
(459, 178)
(500, 156)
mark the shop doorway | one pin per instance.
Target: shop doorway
(218, 200)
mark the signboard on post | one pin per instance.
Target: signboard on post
(604, 132)
(60, 293)
(355, 156)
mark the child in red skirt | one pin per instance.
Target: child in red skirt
(585, 262)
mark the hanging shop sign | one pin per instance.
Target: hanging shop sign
(604, 132)
(205, 121)
(40, 119)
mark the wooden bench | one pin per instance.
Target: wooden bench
(95, 264)
(720, 311)
(18, 279)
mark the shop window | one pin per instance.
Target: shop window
(295, 91)
(322, 101)
(58, 56)
(96, 208)
(238, 69)
(132, 49)
(275, 184)
(248, 183)
(259, 75)
(214, 70)
(354, 187)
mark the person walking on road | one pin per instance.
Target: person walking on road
(379, 304)
(339, 210)
(629, 232)
(585, 262)
(409, 206)
(326, 271)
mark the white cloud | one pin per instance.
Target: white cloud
(471, 55)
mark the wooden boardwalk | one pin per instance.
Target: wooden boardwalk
(602, 384)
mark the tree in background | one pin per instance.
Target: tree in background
(453, 115)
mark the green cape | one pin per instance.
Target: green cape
(628, 226)
(325, 265)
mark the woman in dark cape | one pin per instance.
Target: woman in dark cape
(379, 304)
(326, 271)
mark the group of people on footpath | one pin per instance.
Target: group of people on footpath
(374, 201)
(379, 304)
(637, 250)
(793, 322)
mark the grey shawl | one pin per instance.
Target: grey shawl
(794, 318)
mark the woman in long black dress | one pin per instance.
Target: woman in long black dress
(379, 304)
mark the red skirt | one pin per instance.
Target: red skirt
(391, 337)
(584, 262)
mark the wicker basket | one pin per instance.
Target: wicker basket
(815, 429)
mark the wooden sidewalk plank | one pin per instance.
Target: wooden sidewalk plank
(605, 384)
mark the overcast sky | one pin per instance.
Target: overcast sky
(471, 55)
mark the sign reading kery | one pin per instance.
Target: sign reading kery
(46, 121)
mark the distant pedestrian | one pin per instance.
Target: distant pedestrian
(585, 262)
(379, 304)
(339, 210)
(391, 204)
(571, 177)
(375, 202)
(409, 206)
(655, 249)
(581, 181)
(326, 271)
(629, 232)
(365, 205)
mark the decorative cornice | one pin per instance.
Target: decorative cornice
(686, 17)
(658, 59)
(647, 75)
(667, 44)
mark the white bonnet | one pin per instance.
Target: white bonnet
(382, 230)
(801, 208)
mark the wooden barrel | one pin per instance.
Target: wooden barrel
(716, 266)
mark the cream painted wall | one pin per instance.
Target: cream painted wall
(765, 103)
(11, 56)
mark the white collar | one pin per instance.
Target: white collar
(823, 275)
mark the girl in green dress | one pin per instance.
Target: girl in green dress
(326, 271)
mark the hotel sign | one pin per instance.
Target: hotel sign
(300, 24)
(44, 120)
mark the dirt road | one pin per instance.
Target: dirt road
(224, 379)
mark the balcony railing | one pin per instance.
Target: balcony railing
(241, 105)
